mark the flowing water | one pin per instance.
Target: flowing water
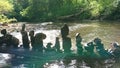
(108, 32)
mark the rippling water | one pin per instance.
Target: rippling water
(108, 31)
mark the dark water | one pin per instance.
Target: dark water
(108, 31)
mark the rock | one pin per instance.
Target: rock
(4, 24)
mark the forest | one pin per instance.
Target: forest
(52, 10)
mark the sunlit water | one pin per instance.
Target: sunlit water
(108, 31)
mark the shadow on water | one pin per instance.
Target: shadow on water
(108, 32)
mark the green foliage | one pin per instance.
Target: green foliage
(4, 19)
(85, 15)
(115, 13)
(49, 10)
(5, 7)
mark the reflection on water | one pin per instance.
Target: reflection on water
(108, 32)
(4, 60)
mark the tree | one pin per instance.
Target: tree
(18, 5)
(5, 7)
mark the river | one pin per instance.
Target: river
(107, 31)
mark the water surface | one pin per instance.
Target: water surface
(108, 32)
